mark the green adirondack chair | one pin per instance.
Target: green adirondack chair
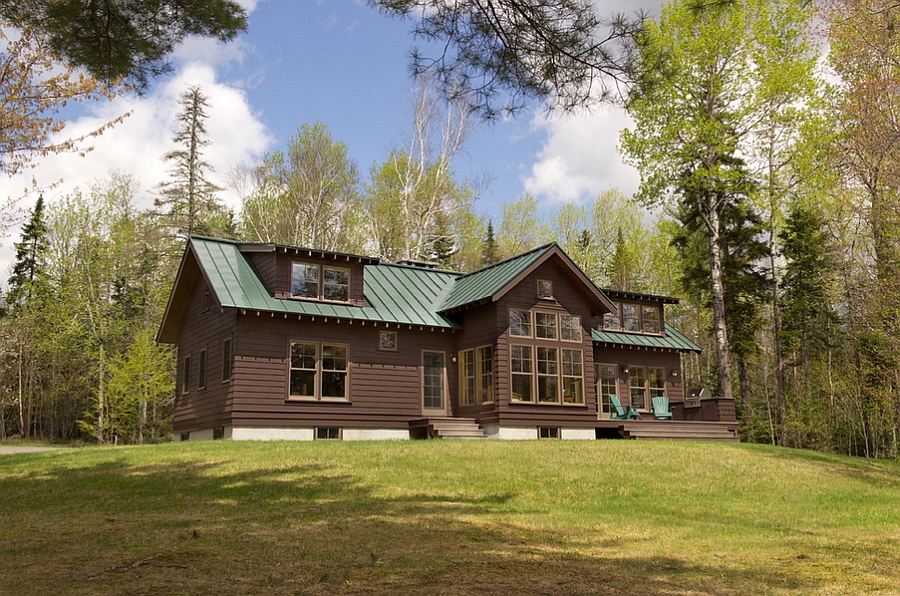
(622, 412)
(661, 409)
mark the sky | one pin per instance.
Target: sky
(345, 64)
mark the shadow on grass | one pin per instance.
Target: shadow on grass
(197, 528)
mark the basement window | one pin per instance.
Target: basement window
(328, 433)
(548, 432)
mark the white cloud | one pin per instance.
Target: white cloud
(579, 159)
(137, 145)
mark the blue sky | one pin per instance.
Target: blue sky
(342, 63)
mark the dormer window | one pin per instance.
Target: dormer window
(309, 280)
(630, 317)
(650, 316)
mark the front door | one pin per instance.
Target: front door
(434, 383)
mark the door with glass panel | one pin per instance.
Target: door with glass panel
(434, 383)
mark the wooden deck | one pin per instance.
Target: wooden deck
(467, 428)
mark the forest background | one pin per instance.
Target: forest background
(769, 204)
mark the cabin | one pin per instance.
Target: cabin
(282, 342)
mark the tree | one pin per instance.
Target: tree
(696, 103)
(508, 51)
(305, 196)
(122, 39)
(489, 251)
(521, 228)
(189, 197)
(30, 256)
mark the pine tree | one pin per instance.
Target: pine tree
(29, 256)
(489, 251)
(189, 198)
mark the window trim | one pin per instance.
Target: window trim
(477, 377)
(577, 327)
(320, 282)
(227, 360)
(380, 347)
(445, 385)
(318, 372)
(539, 289)
(530, 322)
(598, 386)
(534, 376)
(555, 327)
(201, 370)
(186, 374)
(639, 318)
(647, 389)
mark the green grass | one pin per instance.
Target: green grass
(442, 517)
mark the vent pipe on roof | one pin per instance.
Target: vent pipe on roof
(420, 264)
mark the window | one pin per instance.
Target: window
(334, 371)
(547, 374)
(318, 371)
(186, 378)
(226, 360)
(433, 380)
(336, 284)
(476, 375)
(545, 325)
(656, 381)
(201, 381)
(572, 377)
(387, 341)
(328, 433)
(306, 279)
(548, 432)
(519, 323)
(650, 318)
(485, 374)
(545, 289)
(611, 321)
(570, 327)
(520, 363)
(467, 376)
(630, 320)
(606, 377)
(637, 381)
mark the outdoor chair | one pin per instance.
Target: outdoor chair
(622, 412)
(661, 409)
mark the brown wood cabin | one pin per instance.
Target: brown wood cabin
(279, 342)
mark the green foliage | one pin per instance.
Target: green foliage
(124, 38)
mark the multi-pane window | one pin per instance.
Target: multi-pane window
(519, 322)
(650, 318)
(637, 382)
(467, 376)
(476, 374)
(570, 327)
(336, 284)
(545, 325)
(309, 280)
(387, 341)
(572, 377)
(334, 371)
(522, 369)
(226, 360)
(186, 375)
(485, 361)
(304, 280)
(606, 383)
(630, 317)
(433, 380)
(656, 382)
(547, 374)
(201, 372)
(318, 371)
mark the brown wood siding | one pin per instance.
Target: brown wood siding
(621, 357)
(568, 297)
(265, 263)
(384, 387)
(203, 329)
(282, 277)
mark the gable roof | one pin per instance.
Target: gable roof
(492, 282)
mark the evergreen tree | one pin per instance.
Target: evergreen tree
(189, 198)
(30, 253)
(489, 250)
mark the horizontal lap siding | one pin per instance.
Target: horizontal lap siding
(203, 329)
(384, 387)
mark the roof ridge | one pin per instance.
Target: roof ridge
(422, 269)
(514, 257)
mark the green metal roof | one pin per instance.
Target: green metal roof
(484, 283)
(673, 340)
(394, 293)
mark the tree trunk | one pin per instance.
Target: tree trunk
(718, 298)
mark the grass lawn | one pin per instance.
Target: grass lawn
(448, 517)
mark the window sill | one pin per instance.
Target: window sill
(324, 400)
(548, 403)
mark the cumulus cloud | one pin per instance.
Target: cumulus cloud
(579, 159)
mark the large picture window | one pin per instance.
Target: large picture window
(522, 369)
(318, 371)
(310, 280)
(548, 375)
